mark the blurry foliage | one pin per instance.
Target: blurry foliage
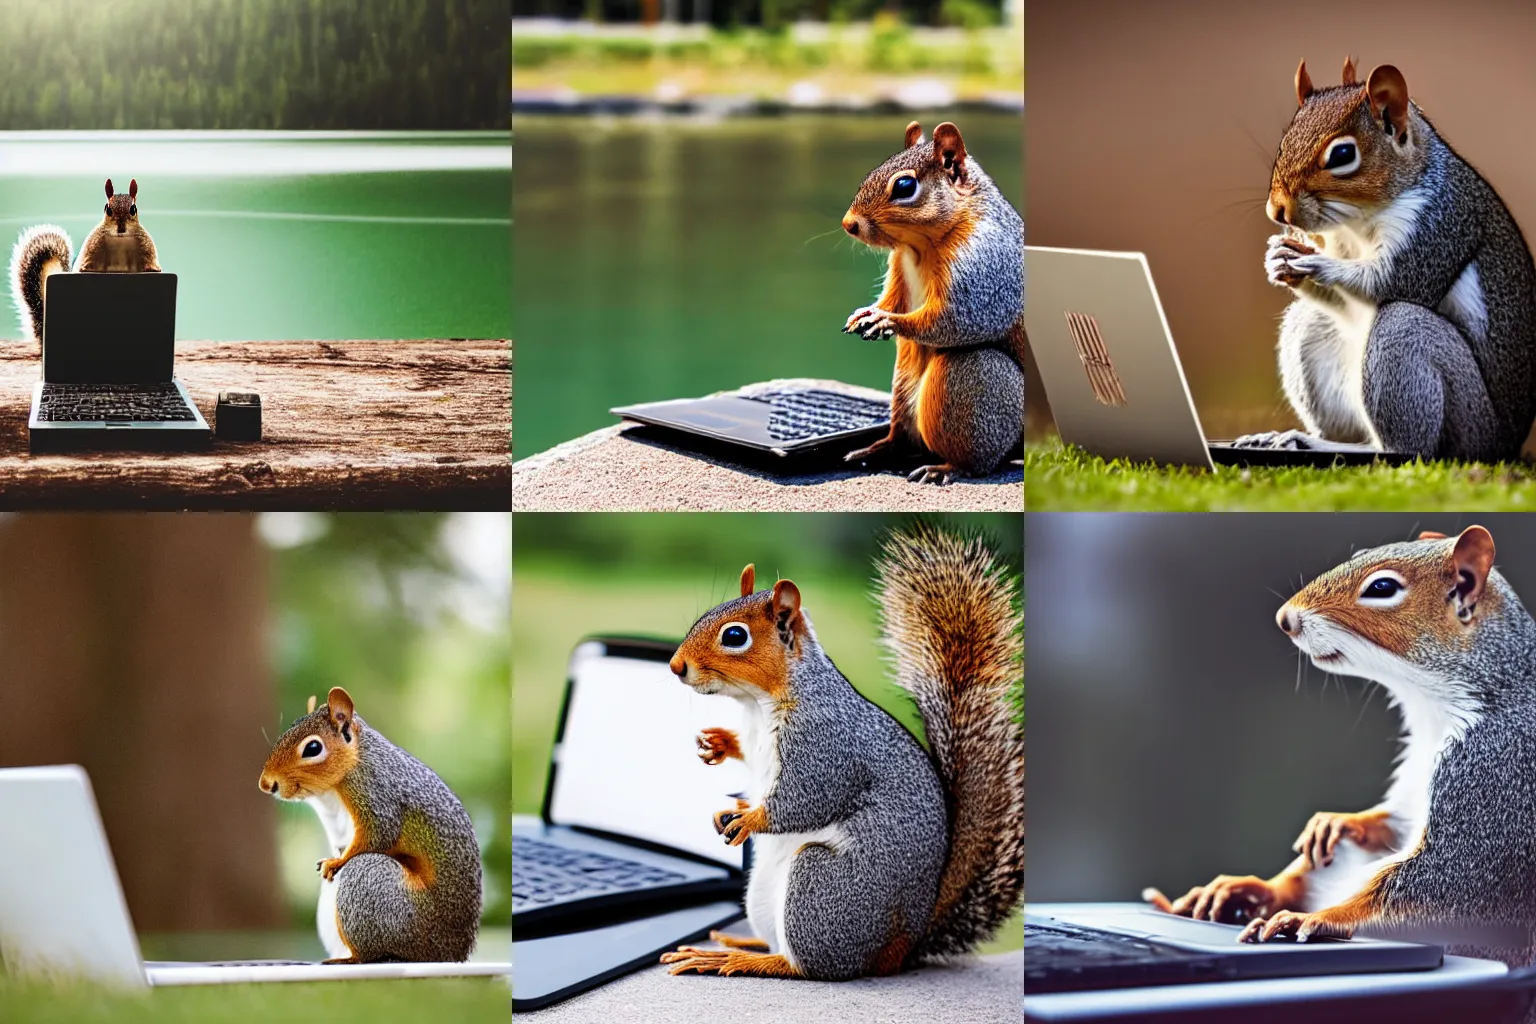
(253, 64)
(772, 13)
(381, 605)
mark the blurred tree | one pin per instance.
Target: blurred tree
(136, 646)
(252, 64)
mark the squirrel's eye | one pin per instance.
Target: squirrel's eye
(1343, 157)
(313, 748)
(1382, 588)
(735, 636)
(133, 211)
(904, 187)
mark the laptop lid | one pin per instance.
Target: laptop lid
(1106, 357)
(109, 328)
(782, 420)
(61, 906)
(625, 761)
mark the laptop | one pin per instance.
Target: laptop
(624, 862)
(784, 427)
(1097, 963)
(63, 912)
(1112, 374)
(108, 376)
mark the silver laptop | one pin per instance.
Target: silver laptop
(1112, 374)
(108, 381)
(62, 909)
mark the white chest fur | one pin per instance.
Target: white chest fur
(338, 836)
(913, 277)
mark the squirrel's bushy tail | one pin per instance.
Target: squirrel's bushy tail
(951, 623)
(381, 917)
(40, 251)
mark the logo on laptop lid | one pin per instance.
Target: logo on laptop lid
(1095, 356)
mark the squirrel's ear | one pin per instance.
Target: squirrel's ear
(748, 579)
(109, 188)
(1473, 557)
(1387, 91)
(1431, 535)
(1304, 88)
(339, 706)
(1350, 77)
(133, 188)
(914, 134)
(949, 152)
(311, 709)
(786, 609)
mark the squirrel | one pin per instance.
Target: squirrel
(404, 881)
(119, 244)
(1413, 323)
(1453, 843)
(953, 299)
(869, 855)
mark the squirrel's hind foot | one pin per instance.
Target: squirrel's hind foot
(941, 474)
(726, 962)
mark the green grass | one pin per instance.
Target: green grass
(366, 1002)
(1059, 478)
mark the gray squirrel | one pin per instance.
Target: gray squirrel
(1413, 327)
(1453, 843)
(404, 880)
(870, 856)
(953, 300)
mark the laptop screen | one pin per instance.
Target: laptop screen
(109, 328)
(627, 762)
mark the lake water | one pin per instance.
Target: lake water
(290, 236)
(666, 258)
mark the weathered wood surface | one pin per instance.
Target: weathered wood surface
(345, 425)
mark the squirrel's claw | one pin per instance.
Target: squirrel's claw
(940, 474)
(1290, 924)
(870, 323)
(716, 745)
(329, 866)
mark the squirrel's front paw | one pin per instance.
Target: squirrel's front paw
(724, 818)
(1288, 262)
(715, 745)
(329, 866)
(736, 827)
(870, 323)
(1290, 924)
(1291, 440)
(1231, 899)
(1369, 830)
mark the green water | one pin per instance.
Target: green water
(670, 258)
(325, 236)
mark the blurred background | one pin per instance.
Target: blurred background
(309, 170)
(669, 258)
(578, 575)
(165, 653)
(1153, 127)
(1174, 732)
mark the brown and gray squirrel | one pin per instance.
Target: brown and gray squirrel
(119, 244)
(953, 299)
(869, 854)
(403, 881)
(1413, 324)
(1453, 843)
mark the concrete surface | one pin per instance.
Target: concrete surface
(979, 990)
(605, 471)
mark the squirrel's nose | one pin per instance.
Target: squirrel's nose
(1279, 209)
(678, 665)
(268, 785)
(1288, 619)
(851, 224)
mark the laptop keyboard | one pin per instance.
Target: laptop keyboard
(64, 403)
(546, 873)
(1064, 958)
(802, 414)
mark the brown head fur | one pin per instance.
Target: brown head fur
(316, 752)
(1441, 582)
(121, 214)
(1326, 119)
(916, 196)
(712, 658)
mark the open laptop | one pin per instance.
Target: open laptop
(62, 909)
(1112, 374)
(624, 862)
(109, 343)
(1118, 963)
(788, 428)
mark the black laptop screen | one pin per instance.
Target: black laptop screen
(109, 328)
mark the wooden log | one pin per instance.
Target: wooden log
(345, 425)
